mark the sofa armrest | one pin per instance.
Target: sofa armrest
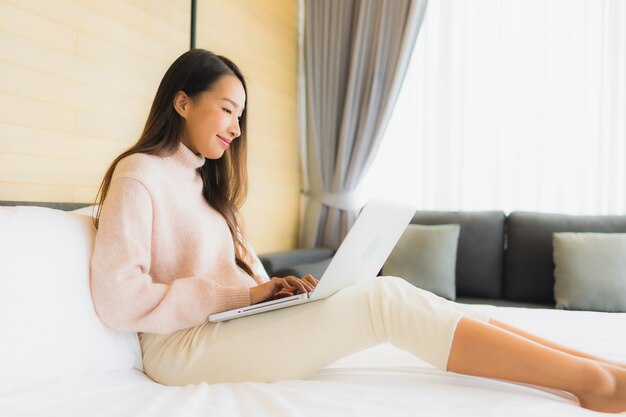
(276, 261)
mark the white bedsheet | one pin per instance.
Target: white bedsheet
(381, 381)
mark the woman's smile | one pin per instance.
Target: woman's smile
(225, 142)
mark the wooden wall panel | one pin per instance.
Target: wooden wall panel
(77, 78)
(261, 38)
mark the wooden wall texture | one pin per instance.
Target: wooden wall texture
(77, 79)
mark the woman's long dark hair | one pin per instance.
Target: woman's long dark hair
(225, 179)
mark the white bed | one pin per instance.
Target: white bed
(381, 381)
(58, 359)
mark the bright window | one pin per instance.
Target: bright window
(511, 105)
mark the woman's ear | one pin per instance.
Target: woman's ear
(181, 104)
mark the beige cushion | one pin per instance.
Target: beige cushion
(590, 271)
(426, 257)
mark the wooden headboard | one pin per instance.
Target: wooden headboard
(58, 206)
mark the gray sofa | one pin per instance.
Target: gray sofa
(503, 260)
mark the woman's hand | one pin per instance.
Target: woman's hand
(282, 287)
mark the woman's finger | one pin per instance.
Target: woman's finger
(308, 283)
(295, 284)
(283, 283)
(299, 284)
(281, 294)
(309, 278)
(280, 285)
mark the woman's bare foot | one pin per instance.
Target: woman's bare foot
(608, 394)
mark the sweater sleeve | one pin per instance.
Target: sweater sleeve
(124, 294)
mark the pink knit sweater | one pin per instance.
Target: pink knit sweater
(163, 258)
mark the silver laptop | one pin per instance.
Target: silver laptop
(360, 256)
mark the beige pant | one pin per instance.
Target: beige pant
(295, 342)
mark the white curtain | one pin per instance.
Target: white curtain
(511, 105)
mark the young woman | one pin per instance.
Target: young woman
(170, 251)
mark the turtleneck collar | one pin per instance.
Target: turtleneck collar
(183, 159)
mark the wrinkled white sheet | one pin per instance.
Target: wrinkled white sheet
(381, 381)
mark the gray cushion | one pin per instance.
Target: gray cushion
(590, 271)
(316, 269)
(528, 266)
(425, 256)
(275, 262)
(502, 303)
(479, 261)
(57, 206)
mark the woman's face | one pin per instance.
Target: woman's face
(212, 119)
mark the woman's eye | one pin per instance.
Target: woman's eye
(227, 111)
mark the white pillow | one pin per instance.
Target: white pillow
(48, 326)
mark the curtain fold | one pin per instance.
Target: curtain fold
(356, 53)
